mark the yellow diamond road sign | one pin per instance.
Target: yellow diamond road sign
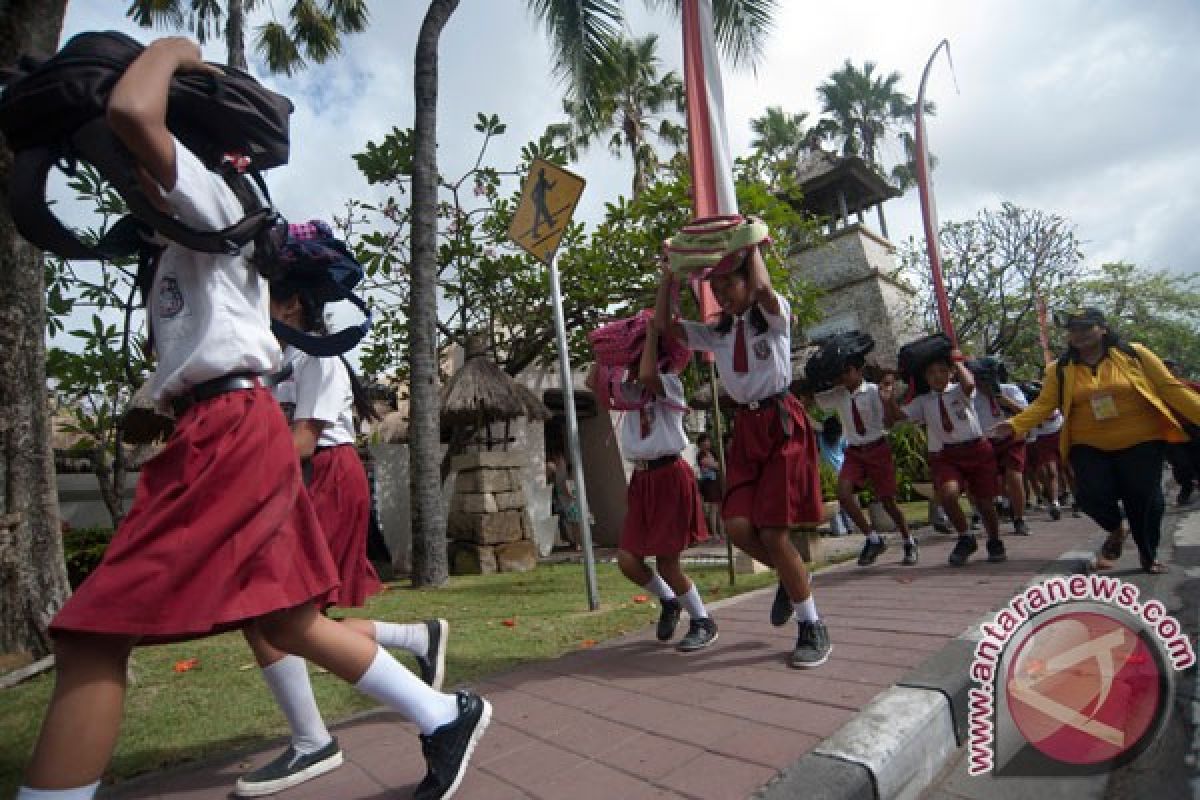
(548, 199)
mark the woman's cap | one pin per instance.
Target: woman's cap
(710, 246)
(1079, 318)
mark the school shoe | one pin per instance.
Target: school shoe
(288, 770)
(975, 521)
(701, 633)
(1056, 512)
(668, 619)
(871, 551)
(433, 663)
(781, 607)
(448, 749)
(995, 550)
(1020, 528)
(912, 553)
(1075, 508)
(812, 645)
(963, 548)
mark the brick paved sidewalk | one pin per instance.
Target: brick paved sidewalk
(632, 718)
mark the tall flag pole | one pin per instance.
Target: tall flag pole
(928, 209)
(712, 168)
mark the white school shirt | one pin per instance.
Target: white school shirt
(983, 406)
(666, 437)
(208, 311)
(768, 355)
(965, 423)
(870, 409)
(320, 390)
(1050, 425)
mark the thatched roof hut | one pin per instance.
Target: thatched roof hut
(481, 393)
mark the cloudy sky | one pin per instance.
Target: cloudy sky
(1084, 108)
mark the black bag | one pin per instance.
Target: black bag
(989, 370)
(824, 369)
(52, 113)
(915, 356)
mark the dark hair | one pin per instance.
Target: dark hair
(313, 312)
(831, 429)
(858, 361)
(1110, 339)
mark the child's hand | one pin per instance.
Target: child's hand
(1001, 430)
(187, 54)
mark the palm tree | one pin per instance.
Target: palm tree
(780, 138)
(630, 95)
(33, 578)
(314, 33)
(863, 107)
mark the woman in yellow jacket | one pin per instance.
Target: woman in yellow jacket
(1120, 408)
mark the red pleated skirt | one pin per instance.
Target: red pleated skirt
(342, 499)
(221, 531)
(665, 514)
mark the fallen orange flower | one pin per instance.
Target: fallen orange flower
(640, 598)
(186, 664)
(588, 643)
(509, 623)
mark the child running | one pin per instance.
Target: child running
(959, 454)
(772, 477)
(995, 401)
(320, 396)
(221, 534)
(868, 458)
(665, 515)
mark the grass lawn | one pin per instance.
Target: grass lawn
(222, 703)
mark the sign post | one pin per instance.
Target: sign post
(548, 199)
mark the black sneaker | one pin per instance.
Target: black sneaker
(812, 645)
(912, 553)
(288, 770)
(975, 521)
(668, 618)
(871, 551)
(781, 607)
(963, 548)
(701, 633)
(996, 553)
(1020, 528)
(448, 749)
(433, 663)
(1075, 510)
(1056, 512)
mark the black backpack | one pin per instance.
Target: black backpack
(825, 368)
(52, 113)
(915, 356)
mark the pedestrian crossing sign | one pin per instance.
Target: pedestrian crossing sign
(548, 199)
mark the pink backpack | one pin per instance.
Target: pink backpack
(618, 345)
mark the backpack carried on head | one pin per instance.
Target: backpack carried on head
(915, 356)
(618, 345)
(989, 370)
(313, 261)
(52, 113)
(824, 370)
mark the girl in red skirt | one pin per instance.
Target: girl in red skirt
(772, 480)
(665, 515)
(221, 533)
(320, 397)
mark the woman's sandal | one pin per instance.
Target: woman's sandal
(1155, 567)
(1111, 549)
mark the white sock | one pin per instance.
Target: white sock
(659, 588)
(873, 537)
(387, 681)
(413, 637)
(694, 605)
(78, 793)
(806, 610)
(288, 680)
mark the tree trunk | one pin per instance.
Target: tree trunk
(33, 579)
(235, 34)
(430, 566)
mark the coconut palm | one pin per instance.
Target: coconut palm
(862, 108)
(630, 99)
(313, 32)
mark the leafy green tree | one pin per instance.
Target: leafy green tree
(631, 98)
(780, 139)
(313, 32)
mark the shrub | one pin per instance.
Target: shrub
(908, 444)
(83, 548)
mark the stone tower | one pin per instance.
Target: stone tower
(854, 265)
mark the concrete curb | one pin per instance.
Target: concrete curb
(896, 746)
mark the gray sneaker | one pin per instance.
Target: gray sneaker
(1020, 528)
(701, 633)
(288, 770)
(812, 645)
(668, 618)
(912, 553)
(781, 607)
(448, 749)
(433, 663)
(871, 550)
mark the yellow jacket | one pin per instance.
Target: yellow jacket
(1147, 374)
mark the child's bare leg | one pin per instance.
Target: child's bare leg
(948, 494)
(746, 539)
(671, 570)
(634, 568)
(893, 510)
(991, 519)
(788, 564)
(849, 503)
(83, 720)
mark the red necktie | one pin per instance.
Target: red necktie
(859, 427)
(947, 424)
(644, 422)
(739, 348)
(995, 407)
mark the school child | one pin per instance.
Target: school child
(320, 396)
(221, 534)
(996, 400)
(772, 478)
(960, 455)
(1048, 461)
(664, 515)
(868, 458)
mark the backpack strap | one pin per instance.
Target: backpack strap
(333, 344)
